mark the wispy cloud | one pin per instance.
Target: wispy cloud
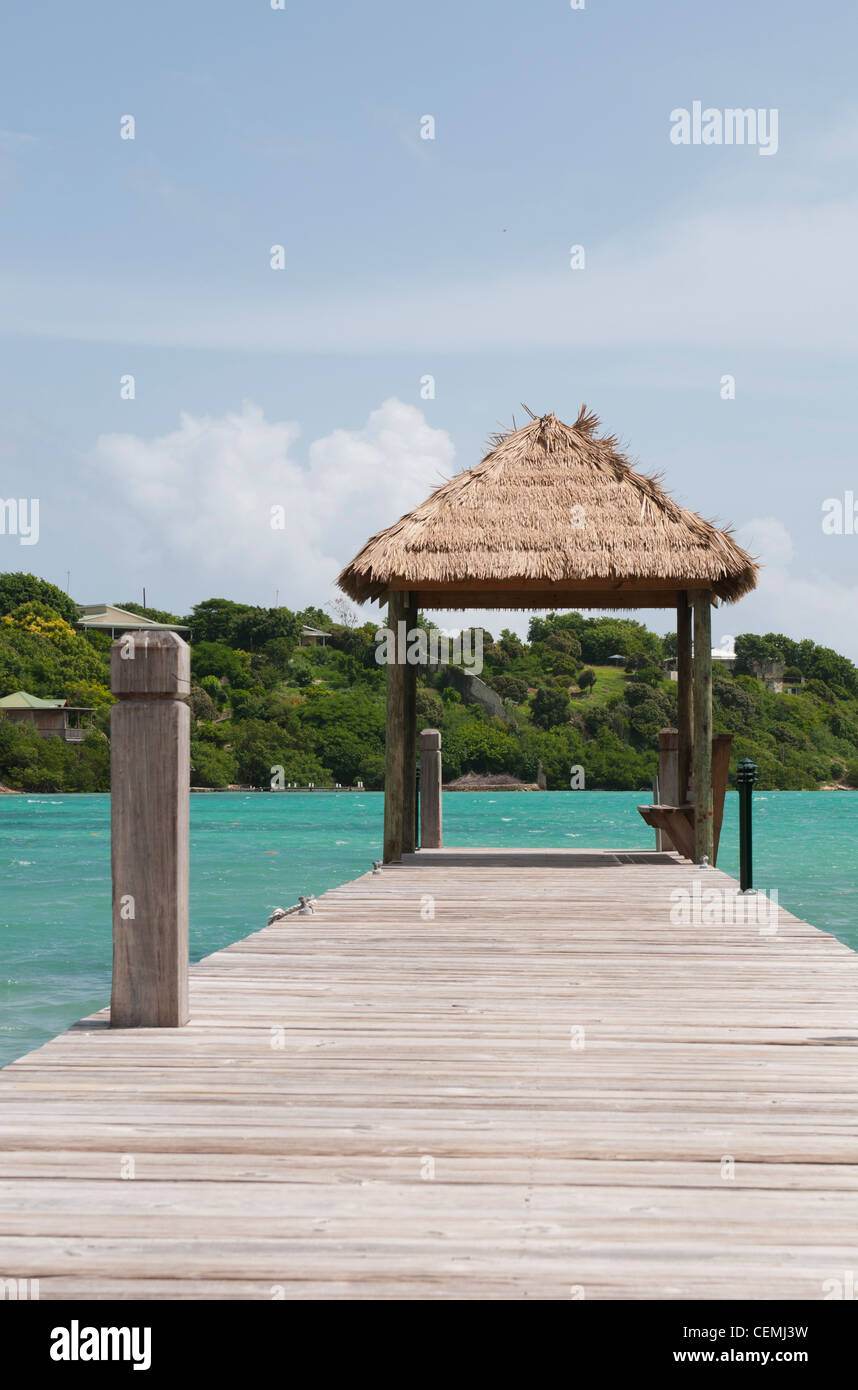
(196, 503)
(779, 276)
(790, 598)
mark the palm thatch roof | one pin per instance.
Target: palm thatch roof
(554, 515)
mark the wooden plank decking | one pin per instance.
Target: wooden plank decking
(373, 1103)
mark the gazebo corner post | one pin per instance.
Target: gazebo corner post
(684, 693)
(409, 790)
(701, 757)
(401, 707)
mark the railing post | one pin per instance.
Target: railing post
(746, 776)
(430, 789)
(149, 817)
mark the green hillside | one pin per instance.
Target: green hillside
(585, 691)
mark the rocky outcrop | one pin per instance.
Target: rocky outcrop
(490, 782)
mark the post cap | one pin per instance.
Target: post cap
(746, 772)
(430, 739)
(150, 662)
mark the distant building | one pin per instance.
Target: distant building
(313, 636)
(106, 617)
(50, 718)
(771, 673)
(724, 657)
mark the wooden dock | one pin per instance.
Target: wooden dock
(479, 1074)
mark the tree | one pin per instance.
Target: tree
(201, 703)
(213, 688)
(511, 645)
(217, 659)
(40, 619)
(564, 665)
(40, 652)
(549, 708)
(586, 679)
(211, 766)
(647, 719)
(430, 708)
(17, 588)
(510, 688)
(753, 652)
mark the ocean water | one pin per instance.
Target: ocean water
(252, 852)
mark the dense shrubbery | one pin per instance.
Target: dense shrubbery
(261, 701)
(49, 765)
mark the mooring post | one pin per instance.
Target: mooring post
(430, 789)
(149, 819)
(746, 776)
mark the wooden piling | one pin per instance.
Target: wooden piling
(394, 773)
(668, 778)
(430, 789)
(149, 820)
(684, 695)
(701, 758)
(409, 790)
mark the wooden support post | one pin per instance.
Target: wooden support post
(701, 758)
(149, 817)
(430, 789)
(662, 841)
(394, 773)
(668, 778)
(685, 708)
(409, 811)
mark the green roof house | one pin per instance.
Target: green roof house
(54, 718)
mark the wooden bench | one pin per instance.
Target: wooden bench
(676, 819)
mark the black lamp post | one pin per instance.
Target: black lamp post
(746, 776)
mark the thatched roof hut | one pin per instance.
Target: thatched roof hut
(554, 515)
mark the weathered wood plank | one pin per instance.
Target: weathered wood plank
(549, 1083)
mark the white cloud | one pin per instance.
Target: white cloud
(809, 604)
(193, 508)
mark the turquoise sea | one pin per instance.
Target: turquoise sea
(251, 852)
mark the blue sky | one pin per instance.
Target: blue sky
(406, 257)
